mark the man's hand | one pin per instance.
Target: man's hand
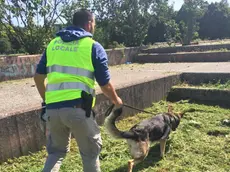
(43, 113)
(110, 92)
(118, 103)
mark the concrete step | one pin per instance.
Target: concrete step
(183, 57)
(193, 78)
(188, 48)
(208, 96)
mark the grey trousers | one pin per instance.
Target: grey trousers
(61, 123)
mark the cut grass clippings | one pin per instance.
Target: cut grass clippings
(218, 85)
(200, 144)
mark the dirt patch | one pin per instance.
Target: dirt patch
(217, 133)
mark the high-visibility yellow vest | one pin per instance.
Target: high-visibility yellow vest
(69, 70)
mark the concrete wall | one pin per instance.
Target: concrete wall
(188, 48)
(205, 96)
(183, 57)
(198, 78)
(122, 55)
(21, 133)
(17, 67)
(202, 95)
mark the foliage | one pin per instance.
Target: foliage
(215, 24)
(115, 44)
(172, 31)
(100, 36)
(123, 21)
(163, 26)
(5, 46)
(217, 85)
(187, 18)
(30, 25)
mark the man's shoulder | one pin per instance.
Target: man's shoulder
(97, 46)
(98, 52)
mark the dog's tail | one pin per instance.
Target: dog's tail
(111, 126)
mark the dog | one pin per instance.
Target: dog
(139, 137)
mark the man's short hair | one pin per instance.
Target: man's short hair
(81, 17)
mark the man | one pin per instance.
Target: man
(71, 62)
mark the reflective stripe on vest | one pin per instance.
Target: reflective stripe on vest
(71, 70)
(70, 85)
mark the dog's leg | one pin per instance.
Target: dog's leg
(130, 165)
(162, 147)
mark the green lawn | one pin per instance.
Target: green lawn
(200, 144)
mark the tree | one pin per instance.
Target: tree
(163, 26)
(106, 12)
(216, 21)
(5, 46)
(29, 23)
(132, 23)
(187, 18)
(172, 34)
(99, 36)
(123, 21)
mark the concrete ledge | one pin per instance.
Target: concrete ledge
(188, 48)
(122, 55)
(183, 57)
(18, 67)
(202, 95)
(21, 133)
(198, 78)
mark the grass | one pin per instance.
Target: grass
(200, 144)
(218, 85)
(197, 50)
(219, 50)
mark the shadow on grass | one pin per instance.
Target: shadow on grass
(151, 160)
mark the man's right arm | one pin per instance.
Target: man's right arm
(40, 75)
(102, 75)
(110, 92)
